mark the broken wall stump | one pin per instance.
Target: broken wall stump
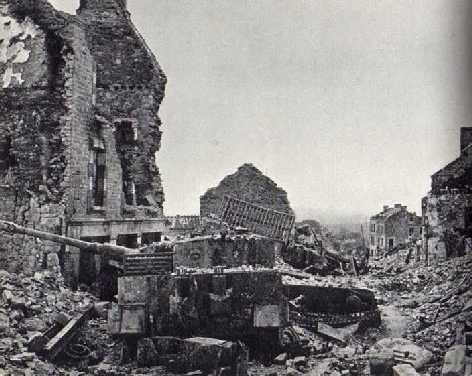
(454, 361)
(404, 370)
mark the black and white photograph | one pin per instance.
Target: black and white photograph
(235, 187)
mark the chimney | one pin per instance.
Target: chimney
(466, 137)
(385, 208)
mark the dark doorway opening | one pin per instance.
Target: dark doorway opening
(151, 237)
(128, 240)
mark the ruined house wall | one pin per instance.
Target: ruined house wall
(130, 88)
(396, 227)
(456, 174)
(31, 73)
(42, 133)
(68, 83)
(248, 184)
(445, 212)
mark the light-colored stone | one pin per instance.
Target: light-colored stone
(404, 370)
(281, 359)
(419, 356)
(454, 361)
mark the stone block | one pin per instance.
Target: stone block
(267, 316)
(281, 359)
(454, 361)
(419, 356)
(404, 370)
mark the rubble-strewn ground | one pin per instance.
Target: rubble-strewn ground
(28, 306)
(422, 304)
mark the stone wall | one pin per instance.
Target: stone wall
(130, 89)
(456, 174)
(68, 81)
(445, 213)
(247, 184)
(33, 147)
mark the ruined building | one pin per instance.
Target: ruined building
(247, 184)
(447, 209)
(393, 226)
(79, 129)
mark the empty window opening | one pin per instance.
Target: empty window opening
(7, 160)
(129, 190)
(128, 132)
(99, 178)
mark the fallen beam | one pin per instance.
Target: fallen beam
(61, 340)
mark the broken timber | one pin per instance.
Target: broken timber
(257, 219)
(61, 340)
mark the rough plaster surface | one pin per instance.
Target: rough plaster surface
(14, 51)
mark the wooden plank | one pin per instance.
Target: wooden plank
(59, 342)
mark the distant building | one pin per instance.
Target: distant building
(393, 226)
(447, 209)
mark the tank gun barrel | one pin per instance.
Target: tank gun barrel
(110, 249)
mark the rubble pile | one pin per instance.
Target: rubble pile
(437, 299)
(29, 306)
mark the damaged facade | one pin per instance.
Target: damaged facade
(447, 209)
(247, 184)
(392, 227)
(78, 132)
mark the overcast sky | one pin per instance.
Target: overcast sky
(347, 105)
